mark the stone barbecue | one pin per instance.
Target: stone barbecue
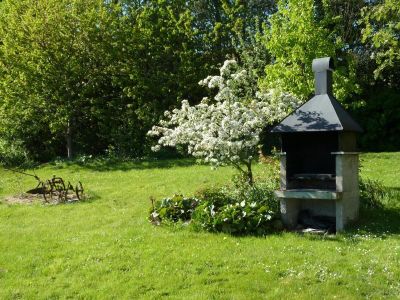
(319, 162)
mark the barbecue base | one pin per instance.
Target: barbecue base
(332, 205)
(342, 203)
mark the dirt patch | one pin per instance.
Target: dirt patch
(23, 199)
(28, 198)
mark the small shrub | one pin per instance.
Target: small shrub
(261, 191)
(372, 193)
(177, 208)
(244, 209)
(14, 154)
(238, 208)
(217, 196)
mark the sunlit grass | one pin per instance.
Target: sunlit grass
(106, 248)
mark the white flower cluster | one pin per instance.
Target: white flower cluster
(226, 129)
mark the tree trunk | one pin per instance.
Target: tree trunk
(68, 138)
(250, 179)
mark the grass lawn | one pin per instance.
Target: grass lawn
(106, 248)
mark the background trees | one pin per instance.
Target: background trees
(382, 33)
(86, 76)
(299, 32)
(62, 63)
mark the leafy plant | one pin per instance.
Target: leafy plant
(176, 208)
(294, 37)
(245, 209)
(14, 154)
(381, 33)
(239, 208)
(372, 193)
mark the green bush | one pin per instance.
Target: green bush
(13, 154)
(177, 208)
(238, 208)
(242, 210)
(218, 196)
(372, 193)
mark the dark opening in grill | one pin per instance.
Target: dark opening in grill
(309, 159)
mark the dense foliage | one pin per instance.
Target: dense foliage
(236, 208)
(176, 208)
(372, 193)
(382, 31)
(241, 209)
(85, 76)
(88, 75)
(296, 35)
(247, 209)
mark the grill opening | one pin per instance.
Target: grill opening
(309, 162)
(309, 220)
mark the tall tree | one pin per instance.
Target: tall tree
(382, 34)
(95, 73)
(58, 58)
(223, 25)
(296, 35)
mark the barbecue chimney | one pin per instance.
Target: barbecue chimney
(322, 68)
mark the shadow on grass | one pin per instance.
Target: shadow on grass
(88, 199)
(380, 222)
(105, 165)
(91, 197)
(373, 223)
(394, 192)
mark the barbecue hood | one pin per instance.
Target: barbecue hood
(322, 112)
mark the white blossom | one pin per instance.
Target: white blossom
(225, 129)
(212, 211)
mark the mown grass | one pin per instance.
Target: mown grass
(106, 248)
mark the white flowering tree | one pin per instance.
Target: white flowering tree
(224, 130)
